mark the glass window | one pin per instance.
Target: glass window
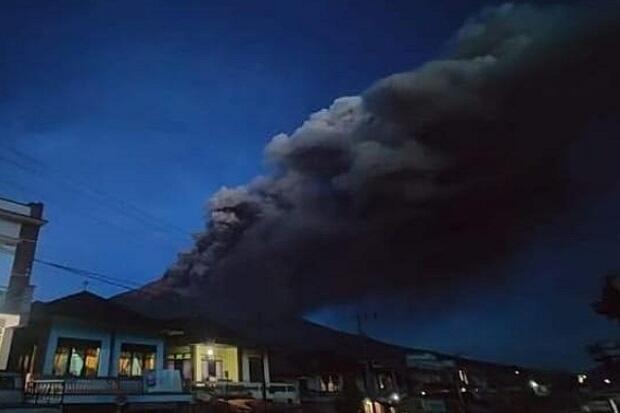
(212, 368)
(330, 383)
(75, 357)
(181, 359)
(6, 262)
(135, 359)
(60, 361)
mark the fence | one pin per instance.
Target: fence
(52, 391)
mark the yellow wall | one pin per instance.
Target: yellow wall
(228, 355)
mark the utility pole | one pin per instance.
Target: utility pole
(263, 354)
(370, 390)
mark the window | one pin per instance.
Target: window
(6, 261)
(330, 383)
(135, 359)
(212, 368)
(182, 361)
(384, 381)
(75, 357)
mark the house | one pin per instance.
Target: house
(223, 362)
(95, 345)
(84, 335)
(207, 352)
(93, 351)
(328, 365)
(19, 231)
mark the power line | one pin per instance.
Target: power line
(115, 204)
(118, 282)
(114, 225)
(111, 202)
(93, 275)
(83, 186)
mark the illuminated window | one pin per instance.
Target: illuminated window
(136, 359)
(330, 383)
(463, 376)
(76, 357)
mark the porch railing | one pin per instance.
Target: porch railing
(52, 391)
(47, 392)
(229, 389)
(234, 389)
(104, 385)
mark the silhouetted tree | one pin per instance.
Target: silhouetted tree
(609, 304)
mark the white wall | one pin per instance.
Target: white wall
(8, 323)
(121, 338)
(78, 331)
(9, 237)
(14, 207)
(9, 233)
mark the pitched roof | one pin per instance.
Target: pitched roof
(300, 335)
(89, 307)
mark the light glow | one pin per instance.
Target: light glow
(463, 377)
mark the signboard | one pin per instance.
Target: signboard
(434, 406)
(427, 361)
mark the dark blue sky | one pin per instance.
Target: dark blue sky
(134, 110)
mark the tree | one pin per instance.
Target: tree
(609, 304)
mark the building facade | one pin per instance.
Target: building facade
(19, 232)
(84, 335)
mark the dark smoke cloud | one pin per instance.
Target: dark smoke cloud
(425, 177)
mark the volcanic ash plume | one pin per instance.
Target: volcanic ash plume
(428, 175)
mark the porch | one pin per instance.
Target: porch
(157, 388)
(218, 370)
(208, 363)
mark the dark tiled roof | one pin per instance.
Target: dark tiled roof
(89, 307)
